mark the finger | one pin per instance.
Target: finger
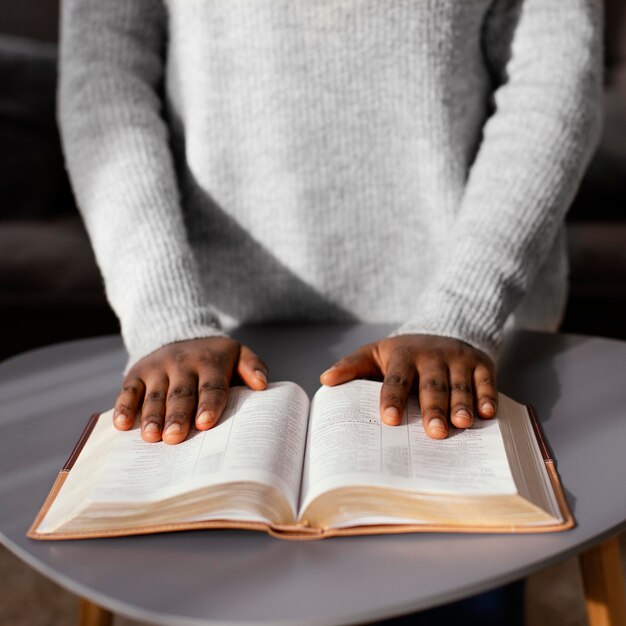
(252, 369)
(395, 390)
(212, 398)
(461, 396)
(359, 364)
(127, 403)
(486, 392)
(153, 410)
(180, 407)
(433, 396)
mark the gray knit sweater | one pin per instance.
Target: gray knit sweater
(405, 161)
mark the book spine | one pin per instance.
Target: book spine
(81, 442)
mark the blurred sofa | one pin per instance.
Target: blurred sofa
(50, 286)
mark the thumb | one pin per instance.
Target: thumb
(252, 369)
(359, 364)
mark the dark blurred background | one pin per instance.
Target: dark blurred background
(50, 287)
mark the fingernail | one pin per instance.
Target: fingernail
(328, 371)
(204, 418)
(487, 407)
(151, 427)
(437, 424)
(173, 429)
(120, 419)
(391, 415)
(463, 414)
(261, 376)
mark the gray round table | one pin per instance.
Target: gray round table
(577, 384)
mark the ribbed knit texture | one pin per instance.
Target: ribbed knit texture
(404, 161)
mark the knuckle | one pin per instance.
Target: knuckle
(177, 417)
(404, 352)
(487, 397)
(396, 380)
(486, 381)
(214, 387)
(212, 403)
(217, 360)
(131, 388)
(461, 387)
(151, 419)
(432, 360)
(464, 351)
(123, 407)
(155, 396)
(391, 399)
(457, 352)
(180, 356)
(434, 384)
(205, 356)
(460, 374)
(181, 392)
(485, 377)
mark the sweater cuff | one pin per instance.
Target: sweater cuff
(444, 319)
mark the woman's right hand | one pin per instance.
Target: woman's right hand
(183, 382)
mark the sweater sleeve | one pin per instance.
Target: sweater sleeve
(118, 156)
(545, 56)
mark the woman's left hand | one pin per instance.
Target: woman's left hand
(456, 382)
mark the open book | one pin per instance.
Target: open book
(300, 469)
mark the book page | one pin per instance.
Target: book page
(260, 437)
(84, 474)
(348, 445)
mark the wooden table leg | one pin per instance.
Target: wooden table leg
(604, 584)
(90, 614)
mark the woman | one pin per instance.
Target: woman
(408, 161)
